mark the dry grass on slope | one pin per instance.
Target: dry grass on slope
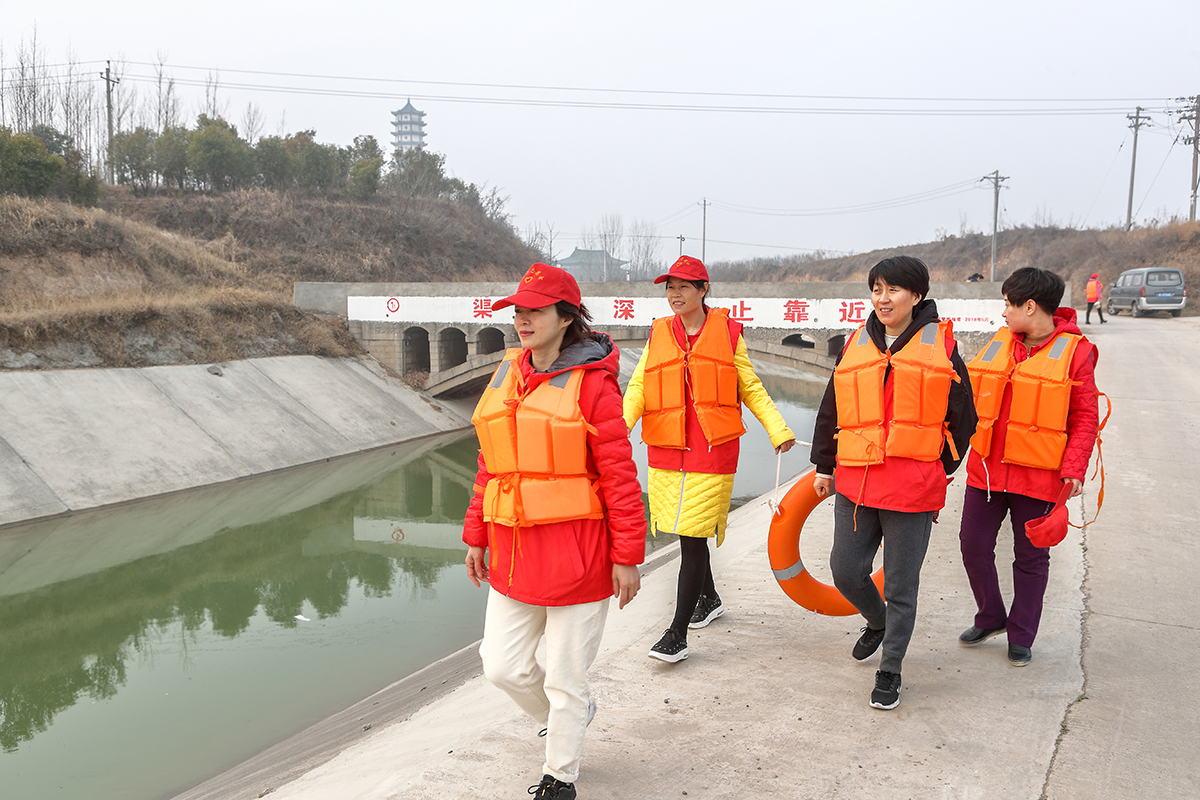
(84, 288)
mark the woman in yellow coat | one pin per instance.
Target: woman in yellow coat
(688, 389)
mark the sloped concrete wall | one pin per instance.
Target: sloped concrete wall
(77, 439)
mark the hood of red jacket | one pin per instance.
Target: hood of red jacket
(597, 352)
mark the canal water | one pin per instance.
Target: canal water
(147, 648)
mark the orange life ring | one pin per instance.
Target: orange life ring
(783, 550)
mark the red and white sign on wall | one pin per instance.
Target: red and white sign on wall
(753, 312)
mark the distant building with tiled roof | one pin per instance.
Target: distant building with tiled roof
(591, 265)
(408, 128)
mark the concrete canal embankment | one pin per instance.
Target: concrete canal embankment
(73, 440)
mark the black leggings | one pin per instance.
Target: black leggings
(695, 579)
(1088, 316)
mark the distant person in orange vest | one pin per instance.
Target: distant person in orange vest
(895, 418)
(1035, 391)
(688, 389)
(557, 524)
(1095, 290)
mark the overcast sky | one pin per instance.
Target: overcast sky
(791, 118)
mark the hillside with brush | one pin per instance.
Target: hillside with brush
(1073, 254)
(193, 278)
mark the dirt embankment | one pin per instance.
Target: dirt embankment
(195, 279)
(1073, 254)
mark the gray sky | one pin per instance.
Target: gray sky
(809, 111)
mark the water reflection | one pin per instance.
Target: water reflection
(85, 602)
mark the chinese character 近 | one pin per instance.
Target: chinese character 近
(483, 307)
(795, 311)
(740, 312)
(623, 309)
(852, 311)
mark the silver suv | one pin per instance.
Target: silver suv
(1140, 291)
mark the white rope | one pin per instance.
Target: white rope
(773, 503)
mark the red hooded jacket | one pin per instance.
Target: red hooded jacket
(1083, 417)
(568, 563)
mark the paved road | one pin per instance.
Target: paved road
(771, 704)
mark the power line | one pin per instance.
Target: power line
(878, 205)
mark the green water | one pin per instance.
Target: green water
(148, 648)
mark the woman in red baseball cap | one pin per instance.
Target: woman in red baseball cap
(688, 389)
(556, 525)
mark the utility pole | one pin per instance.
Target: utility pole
(996, 180)
(681, 241)
(109, 80)
(704, 228)
(1194, 141)
(1136, 122)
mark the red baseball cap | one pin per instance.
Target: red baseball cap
(1051, 529)
(543, 285)
(686, 267)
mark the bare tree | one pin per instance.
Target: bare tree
(166, 101)
(611, 236)
(213, 107)
(644, 246)
(252, 123)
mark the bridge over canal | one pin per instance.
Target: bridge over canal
(448, 332)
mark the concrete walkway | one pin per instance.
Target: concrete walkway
(771, 704)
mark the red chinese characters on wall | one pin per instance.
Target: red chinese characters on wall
(853, 311)
(622, 309)
(741, 312)
(796, 311)
(482, 307)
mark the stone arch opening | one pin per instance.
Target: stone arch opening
(414, 351)
(452, 348)
(835, 345)
(799, 340)
(489, 340)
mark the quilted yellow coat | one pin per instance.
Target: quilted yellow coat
(693, 501)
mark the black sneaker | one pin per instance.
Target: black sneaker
(670, 648)
(887, 690)
(868, 643)
(1019, 655)
(707, 609)
(553, 789)
(973, 636)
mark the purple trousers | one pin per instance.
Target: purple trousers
(981, 521)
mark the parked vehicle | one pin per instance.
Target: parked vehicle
(1146, 289)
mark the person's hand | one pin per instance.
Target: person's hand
(788, 445)
(822, 485)
(626, 582)
(1076, 486)
(477, 568)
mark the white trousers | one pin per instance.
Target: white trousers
(555, 693)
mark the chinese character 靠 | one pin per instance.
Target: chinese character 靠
(623, 309)
(853, 311)
(482, 307)
(795, 311)
(740, 312)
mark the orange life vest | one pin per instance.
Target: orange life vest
(921, 378)
(1041, 397)
(709, 371)
(534, 443)
(1093, 291)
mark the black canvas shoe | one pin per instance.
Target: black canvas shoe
(868, 643)
(1019, 655)
(670, 648)
(887, 690)
(973, 636)
(707, 609)
(553, 789)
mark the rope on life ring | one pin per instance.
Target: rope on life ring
(783, 551)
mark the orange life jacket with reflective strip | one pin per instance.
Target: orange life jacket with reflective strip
(534, 443)
(1093, 291)
(1041, 397)
(709, 371)
(921, 378)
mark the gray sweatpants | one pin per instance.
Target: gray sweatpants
(856, 538)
